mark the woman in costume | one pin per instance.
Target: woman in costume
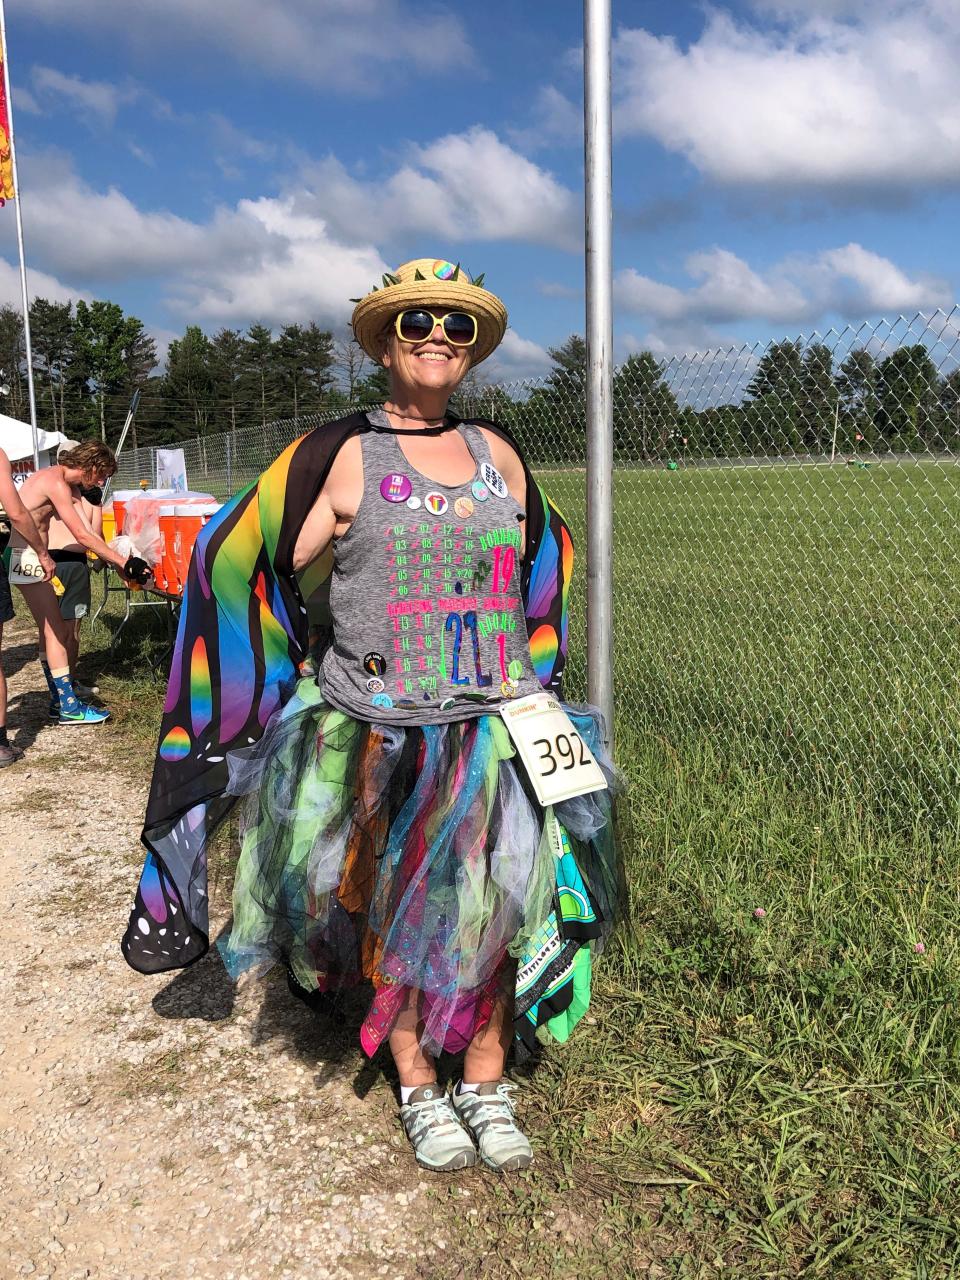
(390, 831)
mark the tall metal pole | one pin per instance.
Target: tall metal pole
(23, 261)
(598, 146)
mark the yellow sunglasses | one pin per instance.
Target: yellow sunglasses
(459, 327)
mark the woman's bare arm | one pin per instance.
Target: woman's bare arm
(21, 519)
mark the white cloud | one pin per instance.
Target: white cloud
(729, 290)
(23, 100)
(306, 274)
(849, 281)
(516, 359)
(261, 260)
(555, 119)
(297, 256)
(671, 340)
(141, 154)
(40, 284)
(101, 237)
(554, 289)
(842, 95)
(862, 283)
(88, 98)
(465, 186)
(347, 44)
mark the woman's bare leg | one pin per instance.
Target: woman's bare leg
(413, 1065)
(486, 1054)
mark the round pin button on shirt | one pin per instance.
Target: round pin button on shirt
(493, 479)
(396, 488)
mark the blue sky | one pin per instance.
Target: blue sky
(780, 166)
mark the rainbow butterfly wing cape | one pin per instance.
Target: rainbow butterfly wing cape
(241, 640)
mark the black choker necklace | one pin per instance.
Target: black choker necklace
(448, 424)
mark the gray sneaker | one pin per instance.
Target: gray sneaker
(488, 1114)
(439, 1140)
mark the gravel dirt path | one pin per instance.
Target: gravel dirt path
(170, 1126)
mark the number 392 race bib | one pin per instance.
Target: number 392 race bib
(556, 758)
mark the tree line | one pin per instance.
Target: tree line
(798, 400)
(89, 359)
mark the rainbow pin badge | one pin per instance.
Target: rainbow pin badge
(395, 488)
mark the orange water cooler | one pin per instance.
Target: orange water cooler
(165, 573)
(120, 500)
(189, 523)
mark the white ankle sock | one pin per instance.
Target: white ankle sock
(407, 1089)
(463, 1087)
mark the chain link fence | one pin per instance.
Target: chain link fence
(786, 541)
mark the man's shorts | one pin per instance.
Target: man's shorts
(73, 573)
(7, 612)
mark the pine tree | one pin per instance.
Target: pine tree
(260, 372)
(562, 403)
(857, 388)
(12, 356)
(349, 359)
(188, 385)
(646, 416)
(227, 354)
(773, 419)
(51, 333)
(318, 366)
(906, 399)
(101, 335)
(819, 399)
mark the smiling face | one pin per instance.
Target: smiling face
(431, 366)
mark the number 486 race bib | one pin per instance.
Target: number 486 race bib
(556, 758)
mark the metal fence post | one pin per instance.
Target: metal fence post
(599, 286)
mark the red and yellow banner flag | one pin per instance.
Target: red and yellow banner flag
(6, 158)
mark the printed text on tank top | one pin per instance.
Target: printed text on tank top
(425, 594)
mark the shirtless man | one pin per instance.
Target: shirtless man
(56, 490)
(20, 518)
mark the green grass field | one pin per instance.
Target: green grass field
(768, 1085)
(786, 656)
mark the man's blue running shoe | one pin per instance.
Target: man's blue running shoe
(84, 714)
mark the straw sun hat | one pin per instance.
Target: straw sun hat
(429, 282)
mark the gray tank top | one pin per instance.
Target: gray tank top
(428, 622)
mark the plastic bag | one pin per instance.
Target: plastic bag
(141, 520)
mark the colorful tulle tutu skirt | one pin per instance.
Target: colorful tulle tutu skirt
(418, 860)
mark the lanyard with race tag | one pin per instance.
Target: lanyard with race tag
(556, 758)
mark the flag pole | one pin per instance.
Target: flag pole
(598, 143)
(23, 261)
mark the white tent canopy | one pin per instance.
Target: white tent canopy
(16, 440)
